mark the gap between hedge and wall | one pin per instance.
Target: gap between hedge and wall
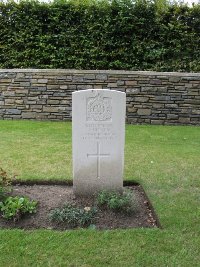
(151, 97)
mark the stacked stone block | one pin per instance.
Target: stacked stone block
(151, 97)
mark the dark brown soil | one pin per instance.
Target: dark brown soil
(52, 196)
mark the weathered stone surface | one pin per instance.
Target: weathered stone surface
(63, 87)
(162, 98)
(128, 83)
(78, 78)
(84, 87)
(8, 93)
(158, 106)
(53, 102)
(72, 87)
(5, 80)
(174, 79)
(20, 75)
(16, 117)
(59, 94)
(9, 101)
(24, 84)
(98, 133)
(65, 102)
(52, 87)
(112, 85)
(172, 116)
(196, 111)
(102, 77)
(171, 105)
(132, 109)
(120, 83)
(28, 115)
(157, 122)
(141, 99)
(19, 101)
(51, 109)
(63, 77)
(156, 81)
(22, 91)
(42, 102)
(13, 111)
(133, 91)
(41, 116)
(62, 109)
(167, 94)
(42, 80)
(184, 120)
(89, 77)
(149, 89)
(29, 102)
(33, 98)
(144, 112)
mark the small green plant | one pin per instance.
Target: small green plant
(125, 202)
(14, 207)
(5, 184)
(73, 216)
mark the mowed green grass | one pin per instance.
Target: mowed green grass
(164, 159)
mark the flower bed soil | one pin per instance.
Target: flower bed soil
(53, 196)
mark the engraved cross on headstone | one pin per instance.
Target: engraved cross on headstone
(98, 155)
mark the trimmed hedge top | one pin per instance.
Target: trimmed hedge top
(100, 35)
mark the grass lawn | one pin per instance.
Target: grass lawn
(164, 159)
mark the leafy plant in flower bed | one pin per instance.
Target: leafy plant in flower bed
(84, 217)
(5, 182)
(73, 216)
(14, 207)
(125, 202)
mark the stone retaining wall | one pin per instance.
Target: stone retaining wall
(152, 97)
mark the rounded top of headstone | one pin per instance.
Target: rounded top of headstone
(95, 91)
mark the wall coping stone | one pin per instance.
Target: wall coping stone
(114, 72)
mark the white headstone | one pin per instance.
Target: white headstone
(98, 136)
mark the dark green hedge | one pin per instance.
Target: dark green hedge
(100, 35)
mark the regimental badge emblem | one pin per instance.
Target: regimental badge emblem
(99, 108)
